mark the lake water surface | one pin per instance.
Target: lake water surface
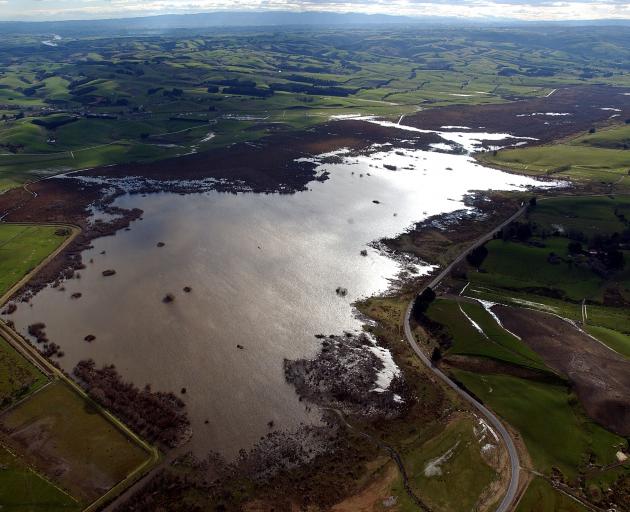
(263, 271)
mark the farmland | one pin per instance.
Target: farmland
(600, 157)
(530, 389)
(23, 247)
(94, 101)
(44, 465)
(557, 434)
(518, 385)
(559, 283)
(91, 455)
(22, 489)
(18, 377)
(541, 497)
(239, 111)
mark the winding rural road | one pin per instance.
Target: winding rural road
(515, 467)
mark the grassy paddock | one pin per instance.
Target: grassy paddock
(541, 497)
(534, 270)
(462, 477)
(77, 448)
(602, 157)
(557, 433)
(22, 248)
(494, 342)
(590, 215)
(24, 490)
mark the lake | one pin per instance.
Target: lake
(263, 271)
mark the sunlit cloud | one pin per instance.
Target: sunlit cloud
(523, 10)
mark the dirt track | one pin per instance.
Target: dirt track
(600, 377)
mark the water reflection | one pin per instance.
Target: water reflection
(263, 271)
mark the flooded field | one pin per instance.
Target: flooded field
(263, 272)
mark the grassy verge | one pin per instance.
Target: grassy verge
(18, 377)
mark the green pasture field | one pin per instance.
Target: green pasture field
(590, 215)
(602, 157)
(614, 137)
(556, 432)
(542, 497)
(462, 476)
(515, 266)
(144, 81)
(494, 343)
(22, 248)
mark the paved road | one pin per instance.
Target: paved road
(510, 496)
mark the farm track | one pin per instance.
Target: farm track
(395, 456)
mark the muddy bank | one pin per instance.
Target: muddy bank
(437, 239)
(599, 376)
(279, 163)
(350, 373)
(312, 467)
(567, 111)
(65, 201)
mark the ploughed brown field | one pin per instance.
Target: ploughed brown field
(600, 376)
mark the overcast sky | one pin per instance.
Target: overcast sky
(525, 9)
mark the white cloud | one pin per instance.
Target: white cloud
(525, 10)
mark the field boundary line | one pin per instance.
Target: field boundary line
(74, 232)
(56, 374)
(43, 477)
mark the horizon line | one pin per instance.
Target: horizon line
(410, 17)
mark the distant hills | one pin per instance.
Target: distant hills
(213, 21)
(169, 22)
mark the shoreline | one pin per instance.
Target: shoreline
(133, 216)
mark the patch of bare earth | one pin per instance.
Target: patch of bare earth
(599, 376)
(375, 495)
